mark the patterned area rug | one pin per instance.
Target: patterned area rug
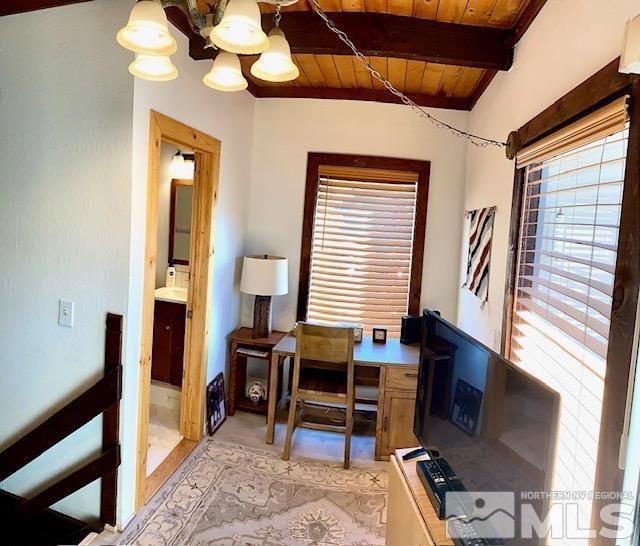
(227, 494)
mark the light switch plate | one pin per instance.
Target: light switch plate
(65, 313)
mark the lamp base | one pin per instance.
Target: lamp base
(261, 317)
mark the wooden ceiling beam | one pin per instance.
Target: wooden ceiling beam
(11, 7)
(377, 95)
(384, 35)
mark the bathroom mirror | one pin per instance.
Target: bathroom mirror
(180, 221)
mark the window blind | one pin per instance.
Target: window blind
(362, 247)
(607, 120)
(565, 277)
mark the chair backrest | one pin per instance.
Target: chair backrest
(324, 343)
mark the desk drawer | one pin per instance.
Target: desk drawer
(401, 378)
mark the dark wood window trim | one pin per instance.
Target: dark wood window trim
(601, 88)
(314, 160)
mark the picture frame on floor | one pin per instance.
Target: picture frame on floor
(216, 409)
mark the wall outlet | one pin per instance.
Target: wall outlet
(65, 313)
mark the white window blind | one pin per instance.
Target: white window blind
(563, 296)
(362, 247)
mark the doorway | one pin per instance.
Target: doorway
(178, 254)
(175, 205)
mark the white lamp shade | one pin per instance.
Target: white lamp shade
(275, 64)
(240, 30)
(156, 68)
(264, 276)
(147, 31)
(225, 74)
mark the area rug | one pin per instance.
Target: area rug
(227, 494)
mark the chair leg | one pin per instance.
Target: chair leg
(347, 435)
(291, 423)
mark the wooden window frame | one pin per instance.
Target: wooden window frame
(314, 160)
(603, 87)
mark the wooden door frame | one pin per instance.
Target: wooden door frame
(205, 183)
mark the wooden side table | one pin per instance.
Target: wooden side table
(241, 347)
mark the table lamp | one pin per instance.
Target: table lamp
(263, 276)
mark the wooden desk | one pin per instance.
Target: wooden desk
(411, 518)
(397, 382)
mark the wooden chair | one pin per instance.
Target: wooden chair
(323, 371)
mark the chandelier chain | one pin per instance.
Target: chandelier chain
(277, 15)
(473, 139)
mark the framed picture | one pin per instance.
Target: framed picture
(466, 407)
(379, 334)
(216, 410)
(357, 330)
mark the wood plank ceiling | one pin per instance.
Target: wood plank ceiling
(442, 53)
(411, 76)
(474, 40)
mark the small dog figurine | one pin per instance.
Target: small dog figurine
(256, 392)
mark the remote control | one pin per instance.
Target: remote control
(413, 454)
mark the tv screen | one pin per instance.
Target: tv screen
(492, 422)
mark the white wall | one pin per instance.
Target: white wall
(569, 41)
(65, 174)
(287, 129)
(229, 118)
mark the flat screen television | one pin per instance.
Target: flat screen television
(493, 423)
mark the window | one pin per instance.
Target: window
(573, 186)
(363, 240)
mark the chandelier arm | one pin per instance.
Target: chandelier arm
(196, 20)
(473, 139)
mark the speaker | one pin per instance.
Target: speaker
(411, 329)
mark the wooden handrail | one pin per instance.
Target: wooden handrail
(92, 402)
(103, 397)
(93, 470)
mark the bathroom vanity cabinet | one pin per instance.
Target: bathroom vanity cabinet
(169, 323)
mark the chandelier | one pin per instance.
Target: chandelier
(233, 27)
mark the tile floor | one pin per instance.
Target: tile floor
(164, 423)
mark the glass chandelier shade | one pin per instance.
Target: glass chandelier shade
(147, 31)
(240, 30)
(275, 64)
(225, 74)
(156, 68)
